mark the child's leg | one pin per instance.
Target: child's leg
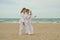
(30, 28)
(20, 29)
(26, 27)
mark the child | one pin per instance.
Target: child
(22, 21)
(28, 23)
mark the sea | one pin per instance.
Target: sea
(34, 20)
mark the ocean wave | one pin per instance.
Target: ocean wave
(35, 20)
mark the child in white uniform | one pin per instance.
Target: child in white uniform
(22, 21)
(28, 23)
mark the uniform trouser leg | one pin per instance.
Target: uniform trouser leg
(20, 28)
(29, 28)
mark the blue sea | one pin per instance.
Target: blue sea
(35, 20)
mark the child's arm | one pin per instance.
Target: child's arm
(22, 16)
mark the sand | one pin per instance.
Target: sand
(42, 31)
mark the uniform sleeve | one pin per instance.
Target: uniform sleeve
(22, 18)
(29, 16)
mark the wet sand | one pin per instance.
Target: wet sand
(42, 31)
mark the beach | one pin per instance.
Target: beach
(42, 31)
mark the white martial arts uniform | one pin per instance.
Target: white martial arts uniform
(28, 24)
(21, 23)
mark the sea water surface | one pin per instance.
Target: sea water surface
(34, 20)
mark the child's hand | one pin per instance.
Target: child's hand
(23, 23)
(30, 12)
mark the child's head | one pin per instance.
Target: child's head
(27, 11)
(23, 10)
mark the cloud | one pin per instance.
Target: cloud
(8, 2)
(41, 8)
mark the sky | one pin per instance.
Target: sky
(39, 8)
